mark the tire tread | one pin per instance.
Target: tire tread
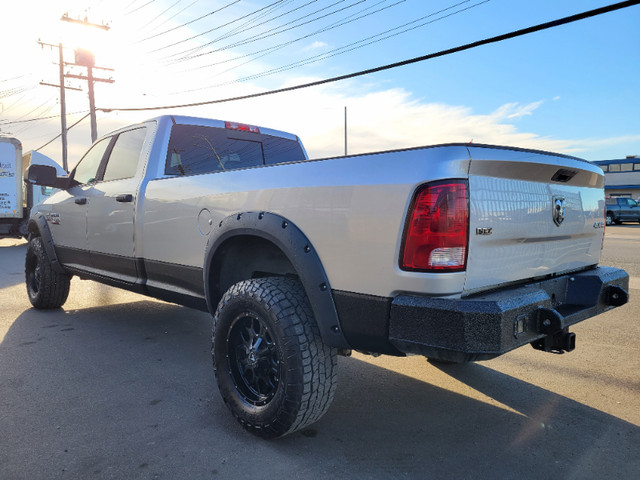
(53, 286)
(287, 299)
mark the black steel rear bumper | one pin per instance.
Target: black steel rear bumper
(485, 326)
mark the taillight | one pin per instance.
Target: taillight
(436, 233)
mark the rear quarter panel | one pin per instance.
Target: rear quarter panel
(352, 209)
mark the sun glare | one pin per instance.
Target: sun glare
(95, 40)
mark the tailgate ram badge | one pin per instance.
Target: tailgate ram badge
(559, 207)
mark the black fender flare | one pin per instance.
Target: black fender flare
(38, 225)
(294, 244)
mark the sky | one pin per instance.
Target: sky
(572, 89)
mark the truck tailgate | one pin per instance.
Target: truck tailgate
(532, 214)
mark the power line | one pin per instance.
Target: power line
(266, 51)
(13, 91)
(168, 19)
(360, 14)
(442, 53)
(29, 120)
(227, 35)
(140, 7)
(359, 44)
(36, 108)
(132, 2)
(60, 134)
(338, 51)
(270, 33)
(26, 127)
(15, 78)
(251, 23)
(191, 21)
(18, 102)
(159, 15)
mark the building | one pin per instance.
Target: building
(621, 177)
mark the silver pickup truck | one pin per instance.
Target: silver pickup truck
(457, 252)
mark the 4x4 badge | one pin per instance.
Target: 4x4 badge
(53, 218)
(559, 208)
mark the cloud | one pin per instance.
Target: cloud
(376, 120)
(609, 141)
(317, 46)
(515, 110)
(391, 119)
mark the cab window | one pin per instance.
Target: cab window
(125, 155)
(87, 169)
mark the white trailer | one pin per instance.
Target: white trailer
(11, 193)
(16, 197)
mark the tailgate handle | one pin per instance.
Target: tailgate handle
(124, 198)
(81, 201)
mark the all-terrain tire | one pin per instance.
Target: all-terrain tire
(273, 370)
(46, 287)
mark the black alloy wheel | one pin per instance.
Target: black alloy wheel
(46, 287)
(274, 373)
(254, 361)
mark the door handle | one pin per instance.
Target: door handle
(124, 198)
(81, 200)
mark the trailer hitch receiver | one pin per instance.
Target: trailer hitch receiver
(560, 342)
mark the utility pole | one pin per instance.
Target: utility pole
(63, 110)
(345, 131)
(63, 102)
(85, 58)
(66, 18)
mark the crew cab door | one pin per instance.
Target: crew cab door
(68, 217)
(111, 208)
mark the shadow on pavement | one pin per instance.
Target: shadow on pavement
(12, 262)
(127, 391)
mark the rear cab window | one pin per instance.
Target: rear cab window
(197, 149)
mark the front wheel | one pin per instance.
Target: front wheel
(609, 219)
(46, 287)
(273, 370)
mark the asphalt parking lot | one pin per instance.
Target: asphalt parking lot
(119, 386)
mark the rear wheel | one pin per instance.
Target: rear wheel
(46, 287)
(273, 370)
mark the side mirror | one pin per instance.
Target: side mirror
(45, 176)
